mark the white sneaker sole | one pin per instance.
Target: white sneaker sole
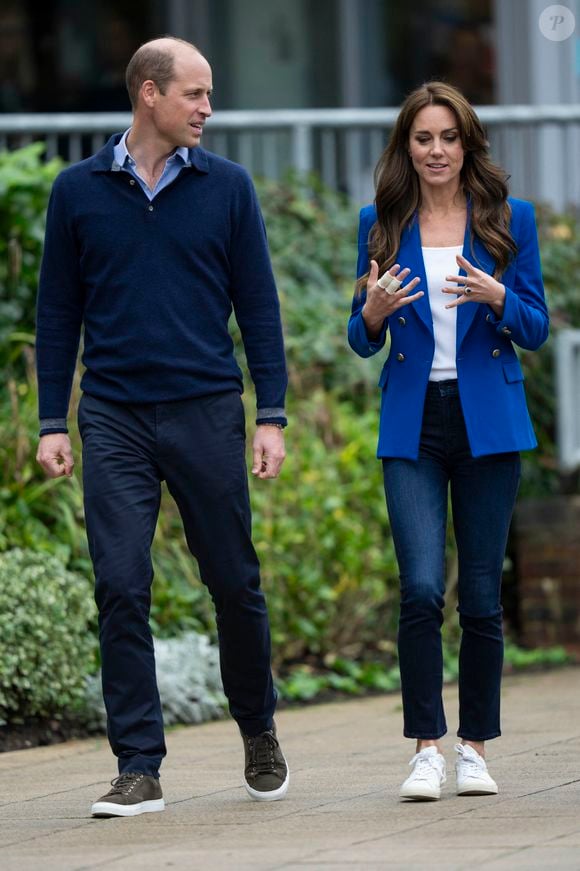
(110, 809)
(477, 789)
(419, 794)
(272, 795)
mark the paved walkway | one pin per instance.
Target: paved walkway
(342, 812)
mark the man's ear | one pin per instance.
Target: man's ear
(149, 92)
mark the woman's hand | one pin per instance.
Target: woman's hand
(476, 286)
(379, 304)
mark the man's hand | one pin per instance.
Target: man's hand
(55, 455)
(268, 451)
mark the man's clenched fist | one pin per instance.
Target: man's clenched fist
(55, 455)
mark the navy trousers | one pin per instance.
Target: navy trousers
(483, 493)
(198, 447)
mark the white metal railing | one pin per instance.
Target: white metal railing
(538, 145)
(567, 356)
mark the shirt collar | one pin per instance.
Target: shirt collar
(104, 160)
(122, 158)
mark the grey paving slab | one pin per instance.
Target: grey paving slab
(347, 761)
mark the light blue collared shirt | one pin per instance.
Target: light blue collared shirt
(173, 166)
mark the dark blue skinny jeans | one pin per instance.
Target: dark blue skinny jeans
(483, 494)
(198, 447)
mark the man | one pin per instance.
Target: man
(150, 243)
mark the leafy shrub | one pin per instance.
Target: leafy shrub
(321, 531)
(560, 252)
(36, 512)
(46, 638)
(25, 183)
(312, 234)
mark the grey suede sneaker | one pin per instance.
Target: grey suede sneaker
(266, 771)
(132, 793)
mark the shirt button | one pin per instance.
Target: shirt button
(488, 317)
(506, 331)
(402, 321)
(400, 357)
(150, 208)
(496, 352)
(131, 181)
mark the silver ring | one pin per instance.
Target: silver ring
(466, 290)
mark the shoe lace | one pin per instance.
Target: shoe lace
(124, 783)
(424, 765)
(261, 752)
(469, 763)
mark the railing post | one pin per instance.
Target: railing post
(567, 358)
(302, 158)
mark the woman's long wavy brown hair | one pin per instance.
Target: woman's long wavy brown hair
(398, 195)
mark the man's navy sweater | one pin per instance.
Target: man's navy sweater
(155, 284)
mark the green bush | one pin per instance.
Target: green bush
(321, 531)
(560, 251)
(46, 637)
(25, 183)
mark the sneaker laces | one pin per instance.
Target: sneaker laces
(470, 760)
(261, 749)
(123, 784)
(424, 764)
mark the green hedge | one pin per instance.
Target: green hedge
(47, 637)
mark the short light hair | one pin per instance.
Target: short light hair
(152, 61)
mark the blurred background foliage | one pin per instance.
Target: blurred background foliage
(321, 530)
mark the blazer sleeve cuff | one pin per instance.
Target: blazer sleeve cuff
(359, 338)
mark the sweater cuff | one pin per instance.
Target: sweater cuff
(53, 425)
(271, 415)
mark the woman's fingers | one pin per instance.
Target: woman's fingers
(373, 274)
(459, 279)
(408, 299)
(403, 291)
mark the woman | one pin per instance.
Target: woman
(460, 283)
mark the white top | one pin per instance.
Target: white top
(440, 262)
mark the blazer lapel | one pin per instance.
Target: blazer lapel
(410, 255)
(481, 259)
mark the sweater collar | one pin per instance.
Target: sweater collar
(104, 160)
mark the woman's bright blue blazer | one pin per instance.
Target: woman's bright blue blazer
(489, 374)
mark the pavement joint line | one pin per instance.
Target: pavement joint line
(512, 851)
(547, 788)
(539, 747)
(51, 794)
(103, 863)
(525, 847)
(42, 835)
(37, 764)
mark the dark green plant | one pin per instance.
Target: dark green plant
(25, 183)
(312, 234)
(321, 532)
(47, 639)
(560, 252)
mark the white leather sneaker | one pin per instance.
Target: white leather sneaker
(473, 777)
(427, 777)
